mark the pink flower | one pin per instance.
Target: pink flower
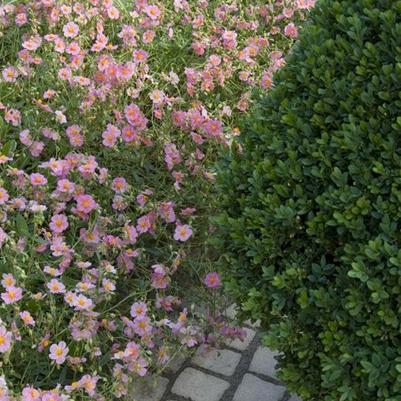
(171, 155)
(27, 318)
(30, 394)
(5, 339)
(143, 224)
(50, 396)
(291, 30)
(153, 12)
(65, 74)
(4, 159)
(38, 179)
(229, 39)
(59, 47)
(142, 326)
(82, 303)
(131, 351)
(157, 96)
(12, 295)
(32, 43)
(59, 223)
(119, 185)
(36, 148)
(212, 280)
(138, 309)
(13, 117)
(21, 19)
(135, 117)
(70, 30)
(148, 36)
(129, 134)
(108, 285)
(305, 4)
(198, 48)
(56, 287)
(113, 13)
(160, 280)
(189, 211)
(88, 383)
(213, 128)
(49, 94)
(139, 367)
(8, 280)
(73, 48)
(126, 71)
(10, 74)
(58, 352)
(74, 135)
(3, 196)
(139, 56)
(182, 232)
(66, 186)
(131, 233)
(166, 211)
(91, 237)
(85, 203)
(110, 135)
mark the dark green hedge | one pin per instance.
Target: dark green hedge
(311, 232)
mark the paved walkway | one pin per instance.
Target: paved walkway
(242, 371)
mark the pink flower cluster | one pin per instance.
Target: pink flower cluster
(106, 180)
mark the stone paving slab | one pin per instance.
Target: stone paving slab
(263, 362)
(175, 364)
(244, 371)
(149, 390)
(231, 311)
(254, 389)
(219, 361)
(199, 386)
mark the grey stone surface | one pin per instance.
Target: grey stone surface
(219, 361)
(263, 362)
(175, 364)
(242, 345)
(149, 390)
(254, 389)
(199, 386)
(231, 311)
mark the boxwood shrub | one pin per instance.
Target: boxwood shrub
(311, 229)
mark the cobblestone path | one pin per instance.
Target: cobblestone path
(242, 371)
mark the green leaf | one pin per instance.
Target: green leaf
(22, 226)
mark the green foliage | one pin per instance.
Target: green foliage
(310, 234)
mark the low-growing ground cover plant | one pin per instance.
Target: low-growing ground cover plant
(111, 114)
(311, 228)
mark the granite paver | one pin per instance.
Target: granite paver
(199, 386)
(254, 389)
(219, 361)
(263, 362)
(244, 371)
(148, 390)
